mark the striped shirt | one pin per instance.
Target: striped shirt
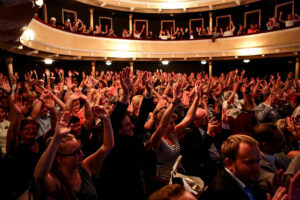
(166, 156)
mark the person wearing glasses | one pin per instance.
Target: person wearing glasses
(61, 172)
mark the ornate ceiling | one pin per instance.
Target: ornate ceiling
(166, 6)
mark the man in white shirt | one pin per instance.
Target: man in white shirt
(229, 30)
(4, 124)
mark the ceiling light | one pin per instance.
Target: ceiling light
(246, 61)
(29, 35)
(165, 62)
(48, 61)
(108, 62)
(203, 62)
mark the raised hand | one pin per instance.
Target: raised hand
(69, 83)
(198, 88)
(177, 91)
(147, 82)
(49, 102)
(294, 189)
(100, 112)
(18, 104)
(126, 83)
(4, 84)
(88, 82)
(295, 130)
(62, 127)
(280, 194)
(212, 124)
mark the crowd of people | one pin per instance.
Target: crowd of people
(179, 33)
(116, 135)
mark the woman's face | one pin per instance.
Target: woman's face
(29, 132)
(71, 154)
(76, 106)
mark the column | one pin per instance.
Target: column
(131, 67)
(93, 68)
(91, 18)
(130, 23)
(9, 62)
(210, 68)
(45, 13)
(297, 68)
(210, 20)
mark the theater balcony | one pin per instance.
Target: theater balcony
(51, 41)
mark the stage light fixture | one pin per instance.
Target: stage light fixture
(203, 62)
(165, 62)
(48, 61)
(108, 62)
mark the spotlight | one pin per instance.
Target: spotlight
(108, 62)
(39, 3)
(29, 35)
(203, 62)
(48, 61)
(165, 62)
(246, 61)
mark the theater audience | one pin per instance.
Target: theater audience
(189, 114)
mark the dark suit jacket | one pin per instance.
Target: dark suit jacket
(195, 155)
(223, 186)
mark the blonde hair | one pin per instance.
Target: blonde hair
(136, 103)
(282, 124)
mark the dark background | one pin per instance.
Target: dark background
(256, 67)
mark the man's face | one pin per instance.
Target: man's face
(201, 119)
(76, 129)
(127, 127)
(246, 166)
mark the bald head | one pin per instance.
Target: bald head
(201, 120)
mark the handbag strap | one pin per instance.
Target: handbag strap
(176, 164)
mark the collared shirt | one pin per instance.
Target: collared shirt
(242, 185)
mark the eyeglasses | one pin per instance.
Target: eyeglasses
(75, 153)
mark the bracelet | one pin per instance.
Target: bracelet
(41, 100)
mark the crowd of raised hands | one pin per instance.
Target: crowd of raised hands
(66, 103)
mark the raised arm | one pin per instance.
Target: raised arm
(12, 141)
(93, 162)
(191, 113)
(164, 122)
(44, 180)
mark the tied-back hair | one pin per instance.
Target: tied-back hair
(158, 114)
(231, 146)
(66, 191)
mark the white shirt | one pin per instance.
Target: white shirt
(229, 33)
(289, 23)
(3, 134)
